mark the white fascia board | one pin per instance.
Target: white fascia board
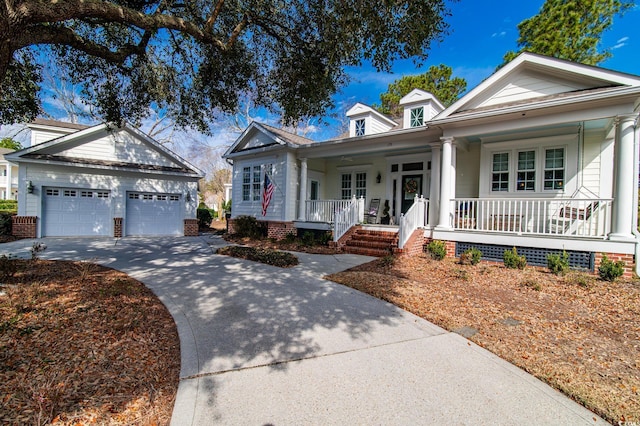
(258, 150)
(622, 91)
(62, 139)
(366, 109)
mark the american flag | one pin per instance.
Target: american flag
(267, 193)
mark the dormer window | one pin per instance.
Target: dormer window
(417, 117)
(360, 127)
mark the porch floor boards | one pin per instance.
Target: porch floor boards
(371, 243)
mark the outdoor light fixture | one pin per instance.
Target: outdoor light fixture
(187, 197)
(378, 178)
(30, 187)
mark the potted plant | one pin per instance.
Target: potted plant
(385, 218)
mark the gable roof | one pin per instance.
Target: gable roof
(531, 78)
(263, 136)
(61, 151)
(360, 109)
(419, 95)
(55, 123)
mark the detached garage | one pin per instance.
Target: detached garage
(102, 181)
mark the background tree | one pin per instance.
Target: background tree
(193, 58)
(569, 29)
(436, 80)
(10, 144)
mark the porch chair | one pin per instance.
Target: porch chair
(569, 218)
(371, 215)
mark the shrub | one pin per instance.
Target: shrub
(532, 284)
(248, 226)
(9, 206)
(308, 238)
(6, 225)
(514, 261)
(558, 264)
(610, 270)
(471, 256)
(437, 249)
(262, 255)
(204, 217)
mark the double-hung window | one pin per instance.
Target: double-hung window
(554, 168)
(417, 117)
(256, 183)
(246, 183)
(500, 172)
(526, 176)
(361, 185)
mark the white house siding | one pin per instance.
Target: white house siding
(40, 136)
(370, 165)
(591, 173)
(276, 210)
(468, 171)
(527, 86)
(376, 126)
(121, 146)
(258, 139)
(118, 183)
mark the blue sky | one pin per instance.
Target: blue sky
(481, 32)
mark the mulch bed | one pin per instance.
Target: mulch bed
(281, 245)
(81, 343)
(577, 333)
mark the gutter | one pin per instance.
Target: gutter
(634, 225)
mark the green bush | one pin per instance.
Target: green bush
(262, 255)
(248, 226)
(6, 225)
(610, 270)
(437, 249)
(514, 261)
(9, 206)
(471, 256)
(558, 264)
(204, 217)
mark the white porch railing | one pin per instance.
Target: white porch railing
(324, 210)
(347, 216)
(413, 219)
(539, 216)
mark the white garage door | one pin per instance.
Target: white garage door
(76, 212)
(154, 214)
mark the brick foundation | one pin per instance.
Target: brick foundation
(414, 246)
(117, 227)
(628, 260)
(191, 227)
(450, 246)
(346, 237)
(280, 230)
(24, 226)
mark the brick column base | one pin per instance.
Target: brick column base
(414, 245)
(280, 230)
(117, 227)
(24, 226)
(191, 227)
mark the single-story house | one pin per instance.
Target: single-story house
(102, 180)
(542, 155)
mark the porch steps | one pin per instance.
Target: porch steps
(371, 243)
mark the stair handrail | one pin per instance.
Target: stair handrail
(347, 217)
(411, 220)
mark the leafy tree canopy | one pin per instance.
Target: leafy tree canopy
(437, 81)
(569, 29)
(10, 144)
(192, 58)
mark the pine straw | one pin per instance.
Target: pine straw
(80, 343)
(579, 334)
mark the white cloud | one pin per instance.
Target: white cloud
(622, 40)
(499, 34)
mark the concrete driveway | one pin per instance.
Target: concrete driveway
(262, 345)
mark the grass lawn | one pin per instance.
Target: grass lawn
(577, 333)
(80, 344)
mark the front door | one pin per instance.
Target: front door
(411, 186)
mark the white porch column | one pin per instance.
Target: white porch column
(303, 190)
(434, 188)
(9, 177)
(445, 183)
(625, 180)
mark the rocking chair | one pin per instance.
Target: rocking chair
(371, 215)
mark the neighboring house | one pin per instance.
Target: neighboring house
(102, 181)
(542, 155)
(8, 177)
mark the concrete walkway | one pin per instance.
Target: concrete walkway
(262, 345)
